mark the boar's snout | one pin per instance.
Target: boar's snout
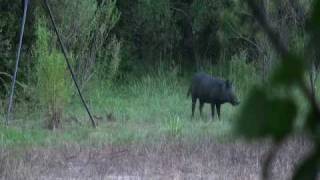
(235, 103)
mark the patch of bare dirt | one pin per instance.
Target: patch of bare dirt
(174, 160)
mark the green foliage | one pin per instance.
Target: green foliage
(75, 21)
(115, 58)
(204, 13)
(87, 27)
(10, 12)
(267, 115)
(157, 25)
(154, 114)
(8, 31)
(243, 74)
(290, 72)
(109, 69)
(308, 169)
(237, 32)
(174, 126)
(52, 81)
(113, 37)
(14, 136)
(52, 84)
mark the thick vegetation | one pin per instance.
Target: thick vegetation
(134, 59)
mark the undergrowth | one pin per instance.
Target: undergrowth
(148, 109)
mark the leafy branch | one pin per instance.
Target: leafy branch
(264, 115)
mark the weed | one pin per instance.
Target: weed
(174, 126)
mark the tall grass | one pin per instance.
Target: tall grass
(151, 108)
(242, 74)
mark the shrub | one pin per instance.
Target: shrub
(52, 84)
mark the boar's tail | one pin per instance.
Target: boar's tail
(189, 91)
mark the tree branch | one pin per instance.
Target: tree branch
(280, 48)
(273, 35)
(9, 76)
(284, 53)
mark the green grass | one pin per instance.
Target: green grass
(150, 109)
(147, 110)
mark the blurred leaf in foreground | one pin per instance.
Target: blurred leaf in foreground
(290, 71)
(308, 169)
(263, 116)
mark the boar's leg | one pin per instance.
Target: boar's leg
(212, 110)
(194, 100)
(218, 109)
(200, 107)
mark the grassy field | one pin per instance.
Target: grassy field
(144, 131)
(140, 111)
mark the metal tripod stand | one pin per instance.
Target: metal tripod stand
(25, 9)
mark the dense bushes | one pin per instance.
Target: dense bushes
(182, 33)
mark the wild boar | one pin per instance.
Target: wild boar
(211, 90)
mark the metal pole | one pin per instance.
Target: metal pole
(26, 2)
(68, 64)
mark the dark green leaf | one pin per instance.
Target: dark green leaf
(313, 123)
(289, 72)
(313, 29)
(263, 116)
(315, 18)
(308, 169)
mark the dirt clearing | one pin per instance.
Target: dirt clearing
(172, 159)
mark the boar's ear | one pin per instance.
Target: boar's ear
(228, 83)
